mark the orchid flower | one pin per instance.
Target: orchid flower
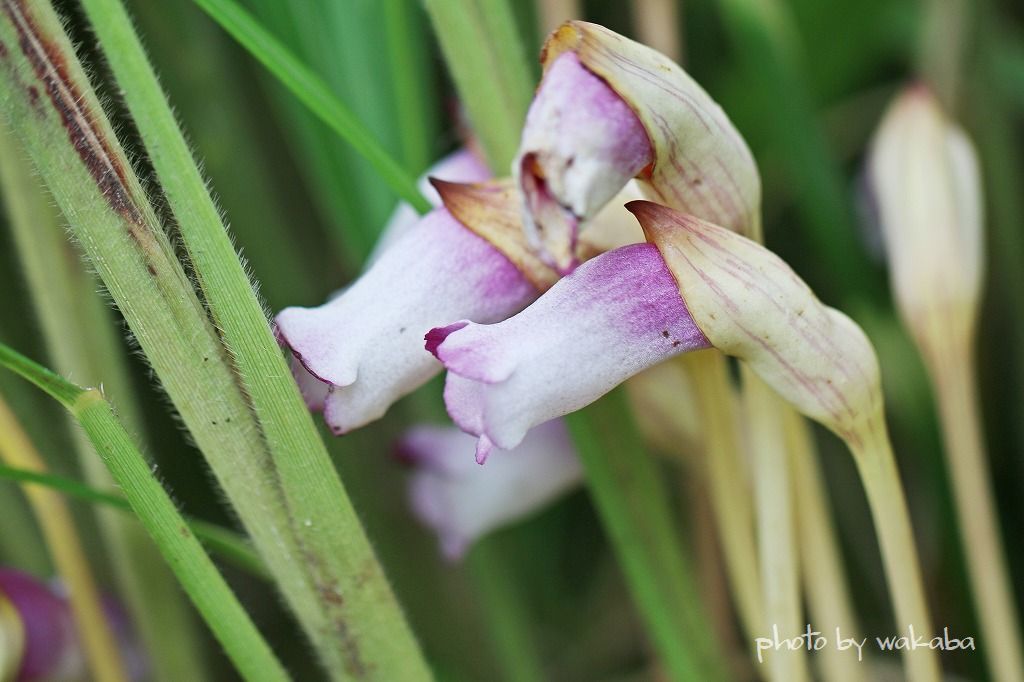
(37, 632)
(696, 286)
(608, 110)
(361, 351)
(462, 502)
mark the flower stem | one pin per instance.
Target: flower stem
(68, 556)
(953, 373)
(728, 484)
(825, 582)
(633, 506)
(780, 572)
(231, 547)
(873, 455)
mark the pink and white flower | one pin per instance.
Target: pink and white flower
(616, 315)
(365, 346)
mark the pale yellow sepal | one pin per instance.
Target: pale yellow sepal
(924, 177)
(701, 163)
(492, 210)
(750, 304)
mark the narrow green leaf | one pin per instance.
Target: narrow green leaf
(314, 93)
(485, 56)
(198, 576)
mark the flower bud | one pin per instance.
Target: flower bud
(923, 173)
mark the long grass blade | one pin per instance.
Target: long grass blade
(364, 629)
(198, 576)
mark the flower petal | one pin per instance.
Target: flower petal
(581, 144)
(462, 501)
(752, 305)
(462, 165)
(614, 316)
(698, 162)
(367, 343)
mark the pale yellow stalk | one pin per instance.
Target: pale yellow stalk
(553, 13)
(66, 550)
(728, 485)
(749, 303)
(872, 452)
(825, 581)
(780, 571)
(953, 373)
(658, 26)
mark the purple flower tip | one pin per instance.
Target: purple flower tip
(436, 336)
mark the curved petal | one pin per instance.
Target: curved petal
(616, 315)
(581, 144)
(676, 141)
(462, 501)
(367, 344)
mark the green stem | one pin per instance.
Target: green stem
(636, 513)
(484, 53)
(228, 544)
(81, 338)
(198, 576)
(291, 502)
(313, 92)
(508, 623)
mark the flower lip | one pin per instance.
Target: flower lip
(361, 351)
(617, 314)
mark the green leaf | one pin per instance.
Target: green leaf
(314, 93)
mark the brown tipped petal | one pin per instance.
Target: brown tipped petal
(750, 304)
